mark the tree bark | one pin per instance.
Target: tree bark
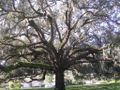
(59, 80)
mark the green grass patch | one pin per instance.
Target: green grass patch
(115, 86)
(96, 87)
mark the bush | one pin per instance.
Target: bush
(14, 85)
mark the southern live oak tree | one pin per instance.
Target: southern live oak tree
(54, 34)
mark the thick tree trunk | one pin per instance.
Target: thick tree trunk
(59, 80)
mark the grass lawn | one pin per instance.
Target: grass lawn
(96, 87)
(89, 87)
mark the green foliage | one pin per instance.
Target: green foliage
(49, 78)
(14, 85)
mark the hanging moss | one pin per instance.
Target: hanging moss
(23, 64)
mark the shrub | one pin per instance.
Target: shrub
(14, 85)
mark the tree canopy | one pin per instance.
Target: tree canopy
(56, 34)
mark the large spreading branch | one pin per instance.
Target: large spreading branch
(25, 65)
(50, 19)
(38, 30)
(82, 55)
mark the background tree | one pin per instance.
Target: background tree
(54, 34)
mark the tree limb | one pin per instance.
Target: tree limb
(26, 65)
